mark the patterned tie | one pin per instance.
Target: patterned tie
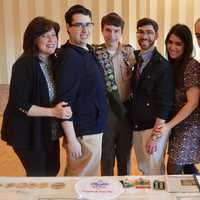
(138, 67)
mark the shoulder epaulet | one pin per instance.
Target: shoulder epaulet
(98, 46)
(126, 45)
(94, 46)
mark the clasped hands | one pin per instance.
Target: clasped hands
(157, 132)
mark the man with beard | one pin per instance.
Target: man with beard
(151, 99)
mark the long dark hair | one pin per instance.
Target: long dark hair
(179, 64)
(36, 28)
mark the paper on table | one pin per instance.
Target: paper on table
(196, 197)
(55, 198)
(183, 184)
(15, 196)
(146, 197)
(197, 179)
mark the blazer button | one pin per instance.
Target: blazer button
(147, 104)
(148, 76)
(136, 126)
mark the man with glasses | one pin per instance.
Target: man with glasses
(117, 61)
(151, 99)
(197, 31)
(80, 81)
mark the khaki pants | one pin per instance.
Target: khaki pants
(150, 164)
(89, 163)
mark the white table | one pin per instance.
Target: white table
(15, 188)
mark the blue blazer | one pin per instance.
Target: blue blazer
(152, 95)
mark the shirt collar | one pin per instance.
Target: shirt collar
(116, 52)
(146, 55)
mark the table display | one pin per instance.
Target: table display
(181, 184)
(100, 188)
(197, 197)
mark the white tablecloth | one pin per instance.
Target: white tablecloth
(19, 188)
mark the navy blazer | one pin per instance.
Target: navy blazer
(28, 87)
(80, 82)
(152, 95)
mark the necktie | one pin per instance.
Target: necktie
(138, 66)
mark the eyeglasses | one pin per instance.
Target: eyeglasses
(80, 26)
(197, 36)
(148, 33)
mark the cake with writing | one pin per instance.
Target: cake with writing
(98, 189)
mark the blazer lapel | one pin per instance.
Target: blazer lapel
(154, 59)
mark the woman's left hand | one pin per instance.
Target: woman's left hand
(62, 111)
(162, 128)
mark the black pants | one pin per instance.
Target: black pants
(181, 169)
(117, 143)
(40, 162)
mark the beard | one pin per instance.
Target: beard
(146, 44)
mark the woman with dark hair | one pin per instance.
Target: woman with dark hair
(29, 121)
(184, 142)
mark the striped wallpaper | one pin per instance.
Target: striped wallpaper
(16, 14)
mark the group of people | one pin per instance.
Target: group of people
(102, 98)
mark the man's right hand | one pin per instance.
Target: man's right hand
(151, 146)
(74, 149)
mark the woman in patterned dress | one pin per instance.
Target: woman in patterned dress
(29, 124)
(184, 142)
